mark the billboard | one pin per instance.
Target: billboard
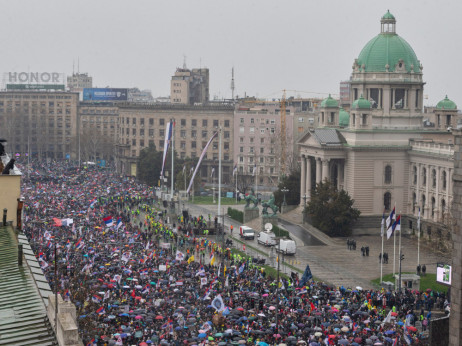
(443, 273)
(35, 87)
(105, 94)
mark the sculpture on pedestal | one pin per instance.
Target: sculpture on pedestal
(251, 198)
(269, 204)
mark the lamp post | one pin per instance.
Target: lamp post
(284, 191)
(304, 207)
(277, 282)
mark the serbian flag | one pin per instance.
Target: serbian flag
(62, 222)
(68, 244)
(145, 289)
(91, 342)
(67, 294)
(108, 221)
(79, 244)
(144, 271)
(119, 222)
(100, 311)
(93, 202)
(49, 244)
(96, 299)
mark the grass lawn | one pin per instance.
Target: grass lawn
(209, 200)
(427, 281)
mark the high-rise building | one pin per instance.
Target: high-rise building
(190, 87)
(78, 81)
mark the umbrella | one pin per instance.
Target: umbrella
(159, 317)
(317, 334)
(344, 329)
(412, 328)
(342, 342)
(138, 317)
(272, 308)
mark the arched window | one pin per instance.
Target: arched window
(415, 175)
(424, 176)
(444, 180)
(387, 200)
(414, 201)
(433, 178)
(433, 206)
(443, 208)
(423, 205)
(387, 174)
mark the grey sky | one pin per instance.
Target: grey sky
(301, 45)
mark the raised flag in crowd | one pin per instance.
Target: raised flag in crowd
(108, 221)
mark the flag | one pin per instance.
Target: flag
(241, 268)
(306, 276)
(91, 342)
(213, 171)
(191, 259)
(418, 223)
(100, 311)
(47, 235)
(179, 255)
(126, 256)
(201, 271)
(203, 281)
(382, 229)
(119, 222)
(106, 295)
(93, 202)
(391, 218)
(145, 289)
(200, 160)
(218, 304)
(144, 271)
(67, 295)
(96, 299)
(212, 258)
(395, 227)
(49, 244)
(235, 169)
(62, 222)
(168, 137)
(227, 281)
(79, 244)
(254, 170)
(43, 264)
(108, 221)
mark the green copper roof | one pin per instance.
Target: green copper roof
(387, 49)
(388, 16)
(344, 118)
(361, 103)
(446, 104)
(329, 102)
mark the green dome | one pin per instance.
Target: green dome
(387, 49)
(446, 104)
(388, 16)
(329, 103)
(343, 118)
(361, 103)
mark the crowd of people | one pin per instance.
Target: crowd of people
(136, 280)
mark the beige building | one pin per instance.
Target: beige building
(43, 124)
(380, 152)
(190, 87)
(98, 130)
(78, 81)
(142, 125)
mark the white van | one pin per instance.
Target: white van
(246, 232)
(266, 238)
(287, 247)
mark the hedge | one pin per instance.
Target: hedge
(236, 214)
(279, 232)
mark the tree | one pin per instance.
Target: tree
(244, 181)
(94, 145)
(331, 210)
(184, 175)
(290, 182)
(149, 165)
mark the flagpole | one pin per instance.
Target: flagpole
(219, 173)
(381, 257)
(418, 239)
(236, 183)
(394, 252)
(173, 152)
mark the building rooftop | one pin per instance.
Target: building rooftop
(23, 318)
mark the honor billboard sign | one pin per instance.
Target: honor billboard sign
(34, 78)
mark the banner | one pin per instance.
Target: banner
(200, 160)
(168, 137)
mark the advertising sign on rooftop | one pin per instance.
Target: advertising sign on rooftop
(105, 94)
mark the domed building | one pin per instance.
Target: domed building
(380, 152)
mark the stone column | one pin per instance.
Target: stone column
(318, 170)
(325, 169)
(302, 178)
(308, 177)
(437, 189)
(455, 319)
(428, 201)
(417, 188)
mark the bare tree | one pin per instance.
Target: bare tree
(94, 145)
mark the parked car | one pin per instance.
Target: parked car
(246, 232)
(266, 238)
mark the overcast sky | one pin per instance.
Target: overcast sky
(302, 45)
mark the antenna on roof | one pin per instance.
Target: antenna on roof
(232, 83)
(184, 61)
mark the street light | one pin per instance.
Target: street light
(284, 191)
(304, 207)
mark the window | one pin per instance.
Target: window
(193, 133)
(241, 159)
(241, 130)
(262, 151)
(415, 175)
(241, 139)
(204, 133)
(151, 121)
(387, 174)
(262, 160)
(133, 121)
(161, 132)
(272, 130)
(193, 145)
(424, 176)
(193, 122)
(134, 142)
(241, 149)
(417, 101)
(262, 131)
(262, 140)
(151, 132)
(141, 132)
(444, 180)
(433, 178)
(142, 121)
(161, 144)
(215, 123)
(301, 120)
(141, 142)
(252, 120)
(251, 139)
(226, 146)
(226, 124)
(134, 132)
(226, 134)
(204, 122)
(161, 122)
(387, 200)
(241, 120)
(183, 145)
(399, 99)
(433, 206)
(414, 201)
(183, 133)
(251, 149)
(183, 122)
(252, 129)
(424, 201)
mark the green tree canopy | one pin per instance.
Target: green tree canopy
(331, 210)
(292, 183)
